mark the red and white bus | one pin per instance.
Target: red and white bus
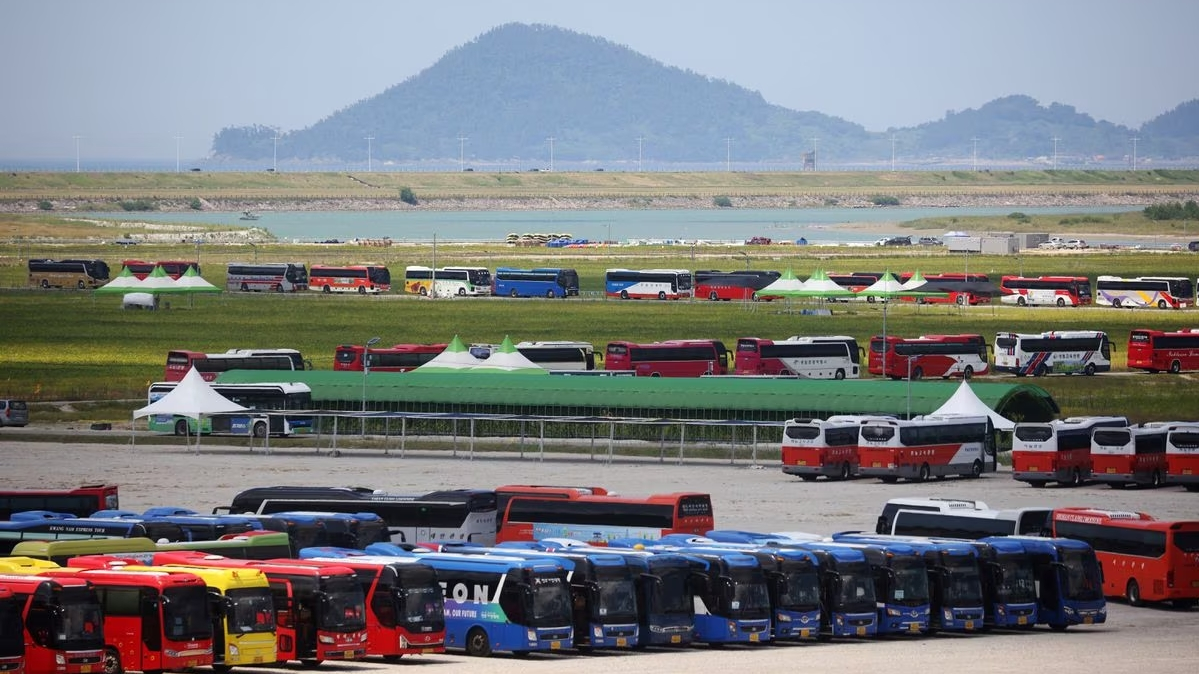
(598, 519)
(941, 356)
(831, 357)
(742, 286)
(1159, 351)
(815, 447)
(211, 365)
(12, 633)
(398, 358)
(1064, 351)
(960, 289)
(924, 447)
(1057, 451)
(1182, 455)
(678, 358)
(80, 501)
(64, 625)
(275, 277)
(359, 278)
(174, 268)
(1059, 291)
(1143, 559)
(1129, 456)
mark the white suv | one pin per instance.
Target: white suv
(1076, 244)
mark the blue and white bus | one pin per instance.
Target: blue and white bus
(196, 527)
(47, 526)
(647, 284)
(540, 282)
(265, 401)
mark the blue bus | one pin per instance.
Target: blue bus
(1068, 578)
(495, 603)
(540, 282)
(195, 527)
(41, 525)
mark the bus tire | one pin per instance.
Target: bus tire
(259, 429)
(79, 285)
(222, 669)
(1058, 627)
(394, 657)
(870, 299)
(181, 428)
(713, 296)
(1089, 370)
(1061, 301)
(845, 472)
(976, 470)
(889, 479)
(512, 293)
(968, 372)
(1020, 301)
(310, 663)
(1037, 484)
(624, 294)
(462, 292)
(1175, 367)
(1040, 371)
(1076, 478)
(478, 644)
(1156, 480)
(961, 299)
(424, 292)
(1116, 302)
(112, 661)
(918, 373)
(839, 375)
(326, 289)
(278, 287)
(1132, 592)
(245, 287)
(549, 294)
(361, 290)
(1161, 304)
(808, 478)
(925, 472)
(661, 294)
(45, 284)
(1183, 604)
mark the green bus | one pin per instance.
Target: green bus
(258, 545)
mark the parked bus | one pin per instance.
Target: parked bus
(833, 357)
(320, 613)
(941, 356)
(1182, 456)
(451, 281)
(815, 447)
(959, 289)
(600, 518)
(558, 356)
(398, 358)
(211, 365)
(173, 268)
(1056, 451)
(1060, 291)
(306, 529)
(924, 447)
(1144, 560)
(540, 282)
(1069, 580)
(275, 277)
(847, 590)
(356, 278)
(78, 274)
(79, 501)
(1069, 352)
(954, 518)
(677, 358)
(63, 624)
(742, 286)
(1129, 456)
(265, 415)
(250, 545)
(647, 284)
(12, 633)
(1160, 351)
(1163, 292)
(194, 526)
(35, 526)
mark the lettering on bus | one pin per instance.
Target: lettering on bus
(481, 593)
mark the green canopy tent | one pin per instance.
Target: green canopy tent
(888, 287)
(508, 359)
(125, 282)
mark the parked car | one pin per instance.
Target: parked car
(13, 412)
(1053, 243)
(1193, 246)
(1076, 244)
(898, 241)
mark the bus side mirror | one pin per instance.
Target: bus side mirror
(882, 526)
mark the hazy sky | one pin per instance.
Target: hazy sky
(130, 77)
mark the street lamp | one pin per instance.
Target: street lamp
(366, 370)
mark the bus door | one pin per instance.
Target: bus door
(150, 607)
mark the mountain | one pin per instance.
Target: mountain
(511, 90)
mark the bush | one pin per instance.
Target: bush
(408, 196)
(883, 200)
(723, 202)
(1173, 210)
(195, 204)
(137, 205)
(45, 205)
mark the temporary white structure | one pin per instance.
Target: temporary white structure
(507, 359)
(192, 398)
(965, 402)
(123, 283)
(455, 357)
(194, 283)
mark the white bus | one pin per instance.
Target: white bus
(926, 446)
(647, 284)
(1182, 455)
(821, 357)
(1069, 352)
(962, 519)
(450, 281)
(1057, 451)
(275, 277)
(1135, 455)
(1163, 292)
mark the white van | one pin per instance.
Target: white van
(13, 412)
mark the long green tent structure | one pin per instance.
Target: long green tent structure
(725, 398)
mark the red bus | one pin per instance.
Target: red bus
(64, 626)
(211, 365)
(815, 447)
(1158, 351)
(676, 358)
(742, 286)
(600, 518)
(405, 605)
(320, 613)
(941, 356)
(398, 358)
(505, 492)
(1059, 291)
(923, 447)
(831, 357)
(1057, 451)
(80, 501)
(12, 633)
(152, 621)
(1182, 455)
(1143, 559)
(361, 279)
(1129, 456)
(173, 268)
(961, 289)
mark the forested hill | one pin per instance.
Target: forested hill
(509, 91)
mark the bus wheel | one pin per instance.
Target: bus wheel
(45, 284)
(477, 643)
(1022, 302)
(278, 287)
(624, 294)
(712, 296)
(661, 294)
(1061, 302)
(327, 289)
(1076, 478)
(1175, 367)
(549, 294)
(512, 293)
(1116, 302)
(260, 429)
(222, 669)
(393, 658)
(1161, 304)
(808, 478)
(1040, 371)
(1133, 593)
(424, 291)
(918, 373)
(961, 299)
(924, 473)
(181, 427)
(112, 661)
(311, 664)
(839, 375)
(361, 290)
(976, 470)
(1037, 484)
(462, 292)
(1089, 370)
(844, 474)
(890, 479)
(1156, 480)
(79, 285)
(245, 287)
(968, 372)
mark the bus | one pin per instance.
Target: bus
(941, 356)
(320, 613)
(79, 501)
(173, 268)
(815, 447)
(1144, 559)
(41, 526)
(275, 277)
(194, 526)
(676, 358)
(600, 518)
(1062, 351)
(450, 281)
(1059, 291)
(211, 365)
(556, 356)
(306, 529)
(1122, 457)
(548, 282)
(647, 284)
(12, 633)
(959, 289)
(251, 545)
(398, 358)
(1163, 292)
(926, 446)
(64, 624)
(831, 357)
(1068, 577)
(1182, 456)
(1160, 351)
(78, 274)
(957, 518)
(847, 582)
(742, 286)
(357, 278)
(1057, 451)
(266, 415)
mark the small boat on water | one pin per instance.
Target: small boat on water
(248, 215)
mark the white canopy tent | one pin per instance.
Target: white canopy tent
(192, 398)
(965, 402)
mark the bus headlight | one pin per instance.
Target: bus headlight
(894, 612)
(325, 639)
(233, 650)
(532, 635)
(60, 659)
(948, 614)
(598, 632)
(784, 618)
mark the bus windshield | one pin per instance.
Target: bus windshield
(618, 598)
(675, 597)
(1084, 579)
(1019, 583)
(185, 613)
(342, 610)
(965, 585)
(551, 601)
(801, 589)
(857, 589)
(911, 582)
(78, 623)
(422, 604)
(250, 610)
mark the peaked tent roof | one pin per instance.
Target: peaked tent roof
(507, 359)
(125, 282)
(194, 283)
(788, 282)
(964, 401)
(159, 282)
(193, 398)
(455, 357)
(915, 282)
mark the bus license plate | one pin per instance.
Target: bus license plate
(1195, 583)
(913, 627)
(861, 630)
(969, 624)
(426, 651)
(676, 638)
(85, 668)
(258, 659)
(803, 462)
(1186, 471)
(805, 633)
(1032, 467)
(1111, 470)
(1022, 620)
(349, 655)
(877, 464)
(753, 636)
(621, 642)
(555, 645)
(1087, 620)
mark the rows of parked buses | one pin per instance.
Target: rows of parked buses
(313, 574)
(1164, 292)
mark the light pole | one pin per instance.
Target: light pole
(892, 153)
(640, 140)
(1134, 152)
(368, 152)
(975, 154)
(77, 152)
(728, 154)
(551, 140)
(1055, 140)
(275, 154)
(177, 139)
(366, 370)
(461, 150)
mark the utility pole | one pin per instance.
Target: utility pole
(77, 152)
(177, 139)
(1055, 140)
(640, 140)
(551, 140)
(1134, 152)
(728, 154)
(368, 153)
(975, 155)
(461, 157)
(814, 141)
(275, 154)
(892, 153)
